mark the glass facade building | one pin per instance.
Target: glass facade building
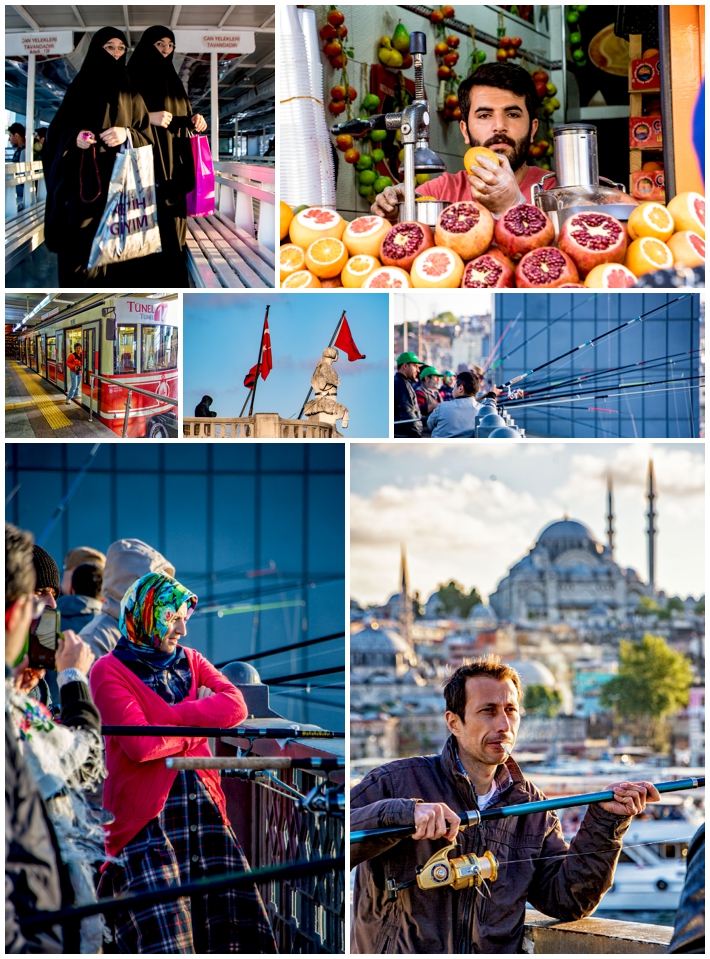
(663, 346)
(255, 530)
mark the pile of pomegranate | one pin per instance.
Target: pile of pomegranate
(468, 248)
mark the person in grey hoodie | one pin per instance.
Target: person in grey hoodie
(126, 561)
(79, 607)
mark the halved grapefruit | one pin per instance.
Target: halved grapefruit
(313, 223)
(437, 267)
(365, 235)
(610, 276)
(688, 212)
(387, 278)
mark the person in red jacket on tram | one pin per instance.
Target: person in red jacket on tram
(75, 362)
(170, 827)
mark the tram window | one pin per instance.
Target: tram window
(73, 340)
(51, 348)
(125, 350)
(159, 348)
(60, 349)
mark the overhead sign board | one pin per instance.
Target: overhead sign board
(43, 44)
(221, 41)
(144, 311)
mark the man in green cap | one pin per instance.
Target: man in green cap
(447, 386)
(428, 395)
(407, 417)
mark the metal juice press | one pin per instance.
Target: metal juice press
(413, 122)
(578, 185)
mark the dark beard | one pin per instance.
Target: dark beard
(520, 147)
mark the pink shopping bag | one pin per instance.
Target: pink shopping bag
(200, 202)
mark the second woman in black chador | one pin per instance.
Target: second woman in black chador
(83, 139)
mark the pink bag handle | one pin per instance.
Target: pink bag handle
(98, 178)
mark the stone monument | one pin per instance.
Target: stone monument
(325, 408)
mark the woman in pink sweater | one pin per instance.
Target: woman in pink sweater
(170, 827)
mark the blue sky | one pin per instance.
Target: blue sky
(222, 334)
(469, 511)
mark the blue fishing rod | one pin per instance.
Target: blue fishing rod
(474, 817)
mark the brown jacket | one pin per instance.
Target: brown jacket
(444, 921)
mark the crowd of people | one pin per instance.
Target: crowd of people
(89, 816)
(109, 101)
(440, 404)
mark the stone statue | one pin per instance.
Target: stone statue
(325, 408)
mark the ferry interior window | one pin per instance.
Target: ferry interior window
(51, 348)
(159, 348)
(125, 359)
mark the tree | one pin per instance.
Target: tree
(542, 701)
(652, 684)
(452, 599)
(676, 603)
(700, 607)
(648, 606)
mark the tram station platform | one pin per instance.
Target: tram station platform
(35, 409)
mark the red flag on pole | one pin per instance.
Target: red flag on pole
(344, 341)
(266, 362)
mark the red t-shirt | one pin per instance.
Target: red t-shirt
(454, 188)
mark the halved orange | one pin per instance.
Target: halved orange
(357, 270)
(688, 212)
(291, 258)
(326, 257)
(286, 217)
(688, 248)
(646, 255)
(651, 219)
(301, 280)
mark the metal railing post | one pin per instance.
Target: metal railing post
(128, 411)
(91, 397)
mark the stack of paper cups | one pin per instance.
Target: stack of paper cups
(307, 172)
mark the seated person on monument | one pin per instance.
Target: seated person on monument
(203, 407)
(473, 772)
(498, 110)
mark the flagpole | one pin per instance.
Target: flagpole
(332, 340)
(258, 365)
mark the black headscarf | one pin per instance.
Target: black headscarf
(153, 76)
(98, 97)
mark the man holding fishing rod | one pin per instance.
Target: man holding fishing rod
(475, 773)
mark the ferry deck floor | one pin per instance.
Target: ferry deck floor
(35, 409)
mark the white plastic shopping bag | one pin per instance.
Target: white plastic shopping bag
(129, 223)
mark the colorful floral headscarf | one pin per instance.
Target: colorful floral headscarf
(149, 608)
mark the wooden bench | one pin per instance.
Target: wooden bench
(222, 255)
(24, 232)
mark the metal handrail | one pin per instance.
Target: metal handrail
(130, 389)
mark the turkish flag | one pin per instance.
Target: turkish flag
(251, 377)
(344, 341)
(266, 361)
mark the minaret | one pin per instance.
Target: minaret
(610, 514)
(405, 606)
(651, 496)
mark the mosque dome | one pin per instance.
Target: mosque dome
(533, 673)
(565, 529)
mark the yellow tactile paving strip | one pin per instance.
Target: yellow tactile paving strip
(44, 403)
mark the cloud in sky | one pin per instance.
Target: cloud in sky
(470, 512)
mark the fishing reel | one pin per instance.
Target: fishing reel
(461, 872)
(327, 801)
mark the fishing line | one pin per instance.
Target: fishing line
(579, 394)
(505, 331)
(597, 852)
(595, 340)
(591, 426)
(603, 396)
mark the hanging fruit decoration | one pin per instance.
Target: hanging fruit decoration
(477, 56)
(574, 34)
(508, 47)
(447, 56)
(542, 148)
(342, 96)
(394, 52)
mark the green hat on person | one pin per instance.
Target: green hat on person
(407, 358)
(429, 371)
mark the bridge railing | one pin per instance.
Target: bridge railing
(245, 195)
(269, 425)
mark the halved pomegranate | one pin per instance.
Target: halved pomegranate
(488, 271)
(522, 229)
(404, 243)
(437, 267)
(593, 238)
(387, 278)
(547, 266)
(466, 228)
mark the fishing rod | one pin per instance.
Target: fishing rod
(238, 732)
(474, 817)
(593, 341)
(515, 404)
(598, 374)
(544, 404)
(498, 344)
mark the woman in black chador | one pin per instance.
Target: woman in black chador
(82, 142)
(153, 76)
